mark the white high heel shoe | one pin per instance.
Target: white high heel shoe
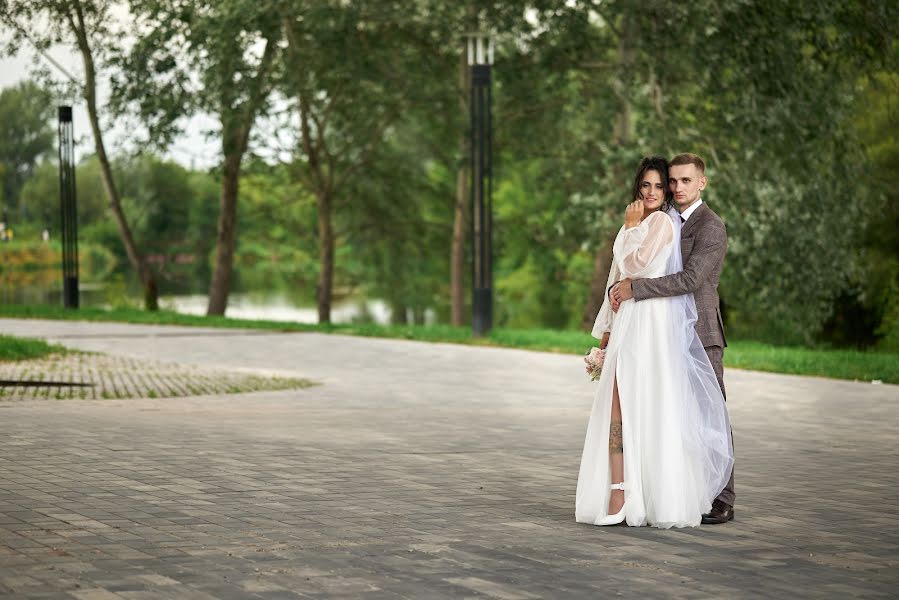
(617, 517)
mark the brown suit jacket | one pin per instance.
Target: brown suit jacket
(703, 245)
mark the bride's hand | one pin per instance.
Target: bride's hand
(633, 214)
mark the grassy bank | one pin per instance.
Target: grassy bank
(16, 348)
(838, 364)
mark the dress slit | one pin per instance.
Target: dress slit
(616, 384)
(608, 434)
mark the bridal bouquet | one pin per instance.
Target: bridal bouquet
(594, 359)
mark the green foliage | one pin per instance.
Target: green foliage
(25, 112)
(158, 195)
(785, 179)
(22, 257)
(192, 57)
(543, 266)
(755, 88)
(791, 103)
(403, 216)
(218, 57)
(277, 218)
(172, 211)
(877, 280)
(40, 195)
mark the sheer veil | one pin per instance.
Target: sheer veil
(706, 424)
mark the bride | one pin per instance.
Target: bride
(658, 448)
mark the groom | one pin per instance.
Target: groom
(703, 245)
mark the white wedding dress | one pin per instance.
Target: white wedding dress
(675, 430)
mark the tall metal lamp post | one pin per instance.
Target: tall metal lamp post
(68, 208)
(480, 60)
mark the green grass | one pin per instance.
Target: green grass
(838, 364)
(16, 348)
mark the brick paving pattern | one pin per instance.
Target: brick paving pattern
(111, 377)
(418, 471)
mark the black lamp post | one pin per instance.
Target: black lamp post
(480, 60)
(68, 208)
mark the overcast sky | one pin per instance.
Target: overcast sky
(191, 149)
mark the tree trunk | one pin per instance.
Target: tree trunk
(398, 313)
(622, 137)
(137, 260)
(457, 253)
(227, 236)
(601, 265)
(237, 121)
(326, 259)
(457, 258)
(322, 184)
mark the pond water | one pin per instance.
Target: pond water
(282, 302)
(269, 306)
(279, 307)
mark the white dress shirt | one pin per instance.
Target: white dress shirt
(686, 214)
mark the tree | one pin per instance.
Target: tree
(870, 313)
(25, 113)
(277, 247)
(216, 57)
(87, 26)
(794, 200)
(40, 195)
(755, 88)
(349, 83)
(460, 211)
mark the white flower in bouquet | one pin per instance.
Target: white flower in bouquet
(594, 360)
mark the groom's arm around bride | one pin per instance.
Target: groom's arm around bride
(703, 246)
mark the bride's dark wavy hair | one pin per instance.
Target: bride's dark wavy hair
(659, 164)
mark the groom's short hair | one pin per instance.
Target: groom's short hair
(688, 159)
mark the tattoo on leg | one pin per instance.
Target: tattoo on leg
(615, 442)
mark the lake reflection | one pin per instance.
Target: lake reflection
(268, 306)
(276, 307)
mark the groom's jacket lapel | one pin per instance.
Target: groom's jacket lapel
(687, 231)
(697, 216)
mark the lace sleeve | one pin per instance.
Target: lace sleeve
(643, 244)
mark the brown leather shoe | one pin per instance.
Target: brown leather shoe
(720, 513)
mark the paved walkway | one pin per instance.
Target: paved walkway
(418, 471)
(94, 376)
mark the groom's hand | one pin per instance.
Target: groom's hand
(622, 292)
(616, 304)
(611, 297)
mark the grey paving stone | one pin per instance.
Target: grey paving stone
(396, 479)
